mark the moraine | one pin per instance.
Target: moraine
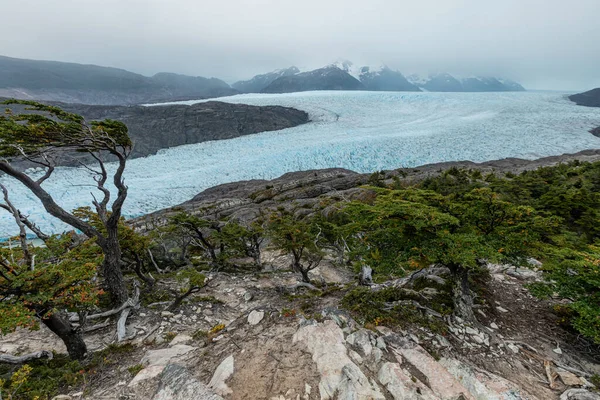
(361, 131)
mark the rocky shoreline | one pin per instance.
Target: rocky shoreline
(248, 198)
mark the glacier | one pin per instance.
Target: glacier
(361, 131)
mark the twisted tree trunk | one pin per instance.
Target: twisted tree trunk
(71, 337)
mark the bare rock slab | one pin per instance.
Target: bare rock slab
(176, 383)
(341, 378)
(222, 374)
(164, 356)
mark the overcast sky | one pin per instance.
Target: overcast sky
(544, 44)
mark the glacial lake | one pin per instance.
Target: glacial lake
(361, 131)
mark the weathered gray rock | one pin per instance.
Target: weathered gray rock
(579, 394)
(176, 383)
(181, 339)
(255, 317)
(164, 356)
(362, 341)
(401, 385)
(483, 385)
(340, 377)
(222, 373)
(441, 382)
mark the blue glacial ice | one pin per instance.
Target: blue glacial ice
(361, 131)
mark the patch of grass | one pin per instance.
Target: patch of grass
(200, 335)
(46, 377)
(208, 299)
(155, 296)
(216, 329)
(370, 308)
(135, 369)
(169, 336)
(288, 312)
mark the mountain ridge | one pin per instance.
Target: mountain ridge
(93, 84)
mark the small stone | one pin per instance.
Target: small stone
(477, 339)
(443, 341)
(381, 343)
(143, 314)
(557, 350)
(493, 325)
(255, 317)
(166, 314)
(180, 339)
(248, 296)
(513, 348)
(569, 378)
(355, 356)
(471, 331)
(503, 310)
(208, 312)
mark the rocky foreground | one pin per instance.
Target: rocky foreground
(264, 335)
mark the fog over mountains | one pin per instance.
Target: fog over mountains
(91, 84)
(344, 75)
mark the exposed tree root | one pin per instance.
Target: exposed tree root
(10, 359)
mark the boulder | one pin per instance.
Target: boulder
(222, 373)
(341, 378)
(176, 383)
(579, 394)
(441, 382)
(401, 385)
(164, 356)
(482, 384)
(255, 317)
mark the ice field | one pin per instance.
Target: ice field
(361, 131)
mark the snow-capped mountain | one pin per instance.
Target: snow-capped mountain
(327, 78)
(377, 78)
(259, 82)
(345, 75)
(444, 82)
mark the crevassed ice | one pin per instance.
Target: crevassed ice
(361, 131)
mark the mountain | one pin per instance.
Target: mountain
(92, 84)
(444, 82)
(259, 82)
(590, 98)
(386, 79)
(379, 78)
(327, 78)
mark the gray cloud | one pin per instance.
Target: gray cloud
(545, 44)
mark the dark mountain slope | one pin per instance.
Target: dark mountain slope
(259, 82)
(328, 78)
(92, 84)
(386, 79)
(590, 98)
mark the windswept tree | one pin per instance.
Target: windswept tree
(408, 230)
(40, 135)
(299, 237)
